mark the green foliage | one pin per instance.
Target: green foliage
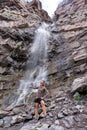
(77, 96)
(80, 96)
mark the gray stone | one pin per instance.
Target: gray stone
(54, 127)
(60, 115)
(52, 106)
(74, 110)
(7, 121)
(50, 114)
(57, 122)
(65, 112)
(2, 70)
(3, 113)
(68, 121)
(16, 119)
(43, 127)
(28, 127)
(1, 122)
(79, 84)
(79, 54)
(60, 99)
(28, 117)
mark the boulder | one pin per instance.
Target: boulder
(79, 85)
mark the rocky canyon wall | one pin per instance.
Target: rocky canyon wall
(18, 22)
(66, 64)
(68, 52)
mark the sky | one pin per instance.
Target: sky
(49, 5)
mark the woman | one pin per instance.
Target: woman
(42, 93)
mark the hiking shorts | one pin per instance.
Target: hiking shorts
(38, 100)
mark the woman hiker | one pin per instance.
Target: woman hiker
(39, 100)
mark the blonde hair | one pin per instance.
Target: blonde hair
(42, 83)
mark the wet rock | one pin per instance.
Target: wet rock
(7, 121)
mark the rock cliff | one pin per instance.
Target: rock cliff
(69, 41)
(67, 64)
(18, 21)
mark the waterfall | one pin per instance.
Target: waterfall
(36, 64)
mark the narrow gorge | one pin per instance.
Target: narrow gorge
(35, 47)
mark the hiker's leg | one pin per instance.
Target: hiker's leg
(36, 109)
(43, 107)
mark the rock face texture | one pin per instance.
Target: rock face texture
(67, 64)
(36, 6)
(69, 5)
(69, 57)
(17, 28)
(18, 4)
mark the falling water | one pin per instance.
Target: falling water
(36, 64)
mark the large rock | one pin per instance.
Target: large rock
(79, 85)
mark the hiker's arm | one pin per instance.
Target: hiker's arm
(47, 93)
